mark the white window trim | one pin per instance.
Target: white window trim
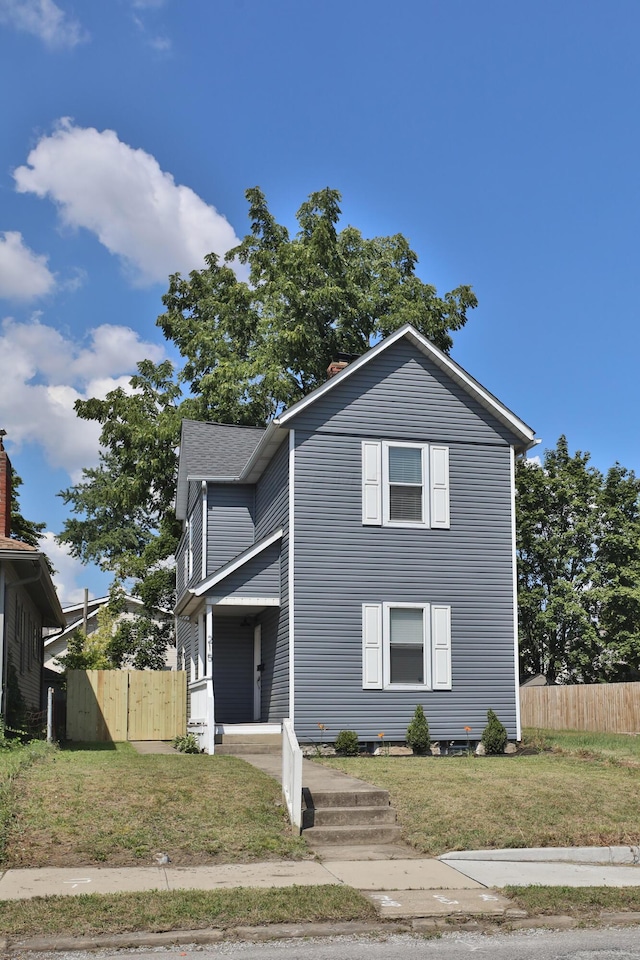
(386, 646)
(376, 643)
(386, 484)
(376, 485)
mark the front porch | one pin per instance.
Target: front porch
(230, 668)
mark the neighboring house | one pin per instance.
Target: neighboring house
(56, 645)
(28, 603)
(355, 558)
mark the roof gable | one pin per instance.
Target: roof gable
(522, 433)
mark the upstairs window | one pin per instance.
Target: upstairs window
(405, 484)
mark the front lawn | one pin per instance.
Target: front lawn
(106, 804)
(467, 803)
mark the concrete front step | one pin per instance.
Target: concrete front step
(240, 749)
(320, 798)
(270, 738)
(353, 834)
(347, 816)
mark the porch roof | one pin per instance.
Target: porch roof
(190, 600)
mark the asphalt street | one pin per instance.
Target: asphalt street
(584, 944)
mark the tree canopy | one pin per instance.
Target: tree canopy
(22, 529)
(578, 544)
(255, 332)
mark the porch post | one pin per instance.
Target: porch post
(208, 672)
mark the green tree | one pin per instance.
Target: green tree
(253, 340)
(616, 581)
(21, 529)
(29, 531)
(578, 545)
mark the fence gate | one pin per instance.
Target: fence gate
(111, 705)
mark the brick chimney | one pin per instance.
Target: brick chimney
(336, 366)
(5, 490)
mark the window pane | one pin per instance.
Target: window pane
(406, 645)
(406, 625)
(407, 664)
(405, 503)
(405, 465)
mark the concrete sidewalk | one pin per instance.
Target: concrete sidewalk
(460, 883)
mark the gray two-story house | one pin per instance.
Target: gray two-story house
(356, 557)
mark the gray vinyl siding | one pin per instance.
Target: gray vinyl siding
(233, 670)
(259, 577)
(341, 564)
(181, 580)
(272, 513)
(195, 519)
(402, 394)
(184, 631)
(23, 633)
(275, 676)
(272, 494)
(195, 495)
(230, 522)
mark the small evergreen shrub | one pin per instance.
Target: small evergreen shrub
(418, 732)
(347, 743)
(494, 736)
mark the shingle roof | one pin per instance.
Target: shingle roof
(211, 451)
(6, 543)
(217, 449)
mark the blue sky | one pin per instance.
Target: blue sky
(502, 139)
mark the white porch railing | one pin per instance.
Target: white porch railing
(201, 721)
(292, 774)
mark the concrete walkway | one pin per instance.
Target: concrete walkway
(461, 883)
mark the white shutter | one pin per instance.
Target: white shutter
(439, 477)
(441, 647)
(372, 482)
(371, 646)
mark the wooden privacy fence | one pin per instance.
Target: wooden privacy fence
(600, 707)
(105, 705)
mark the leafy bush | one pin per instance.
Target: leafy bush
(186, 744)
(347, 743)
(418, 732)
(494, 736)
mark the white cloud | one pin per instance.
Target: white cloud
(160, 44)
(24, 275)
(70, 574)
(43, 19)
(136, 210)
(45, 374)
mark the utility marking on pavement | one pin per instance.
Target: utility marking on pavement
(385, 901)
(444, 899)
(76, 882)
(487, 896)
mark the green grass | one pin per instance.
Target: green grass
(615, 746)
(13, 759)
(106, 804)
(549, 799)
(160, 910)
(584, 902)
